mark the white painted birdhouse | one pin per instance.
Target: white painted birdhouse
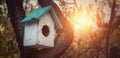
(40, 26)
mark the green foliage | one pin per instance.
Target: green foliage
(8, 44)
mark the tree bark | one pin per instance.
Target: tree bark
(64, 36)
(107, 52)
(16, 14)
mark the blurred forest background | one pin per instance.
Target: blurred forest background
(98, 44)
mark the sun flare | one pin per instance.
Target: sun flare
(83, 20)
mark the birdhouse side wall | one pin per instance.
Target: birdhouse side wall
(30, 34)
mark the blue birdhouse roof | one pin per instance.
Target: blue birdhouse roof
(36, 14)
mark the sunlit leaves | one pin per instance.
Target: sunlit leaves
(96, 42)
(8, 44)
(30, 5)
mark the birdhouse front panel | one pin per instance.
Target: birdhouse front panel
(30, 34)
(46, 31)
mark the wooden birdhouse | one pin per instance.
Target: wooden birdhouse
(40, 26)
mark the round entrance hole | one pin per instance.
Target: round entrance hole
(45, 30)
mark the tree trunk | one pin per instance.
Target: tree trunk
(62, 42)
(110, 29)
(16, 14)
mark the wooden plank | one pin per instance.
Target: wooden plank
(30, 34)
(49, 40)
(58, 24)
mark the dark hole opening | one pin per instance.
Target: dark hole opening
(45, 30)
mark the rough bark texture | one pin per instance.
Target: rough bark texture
(62, 41)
